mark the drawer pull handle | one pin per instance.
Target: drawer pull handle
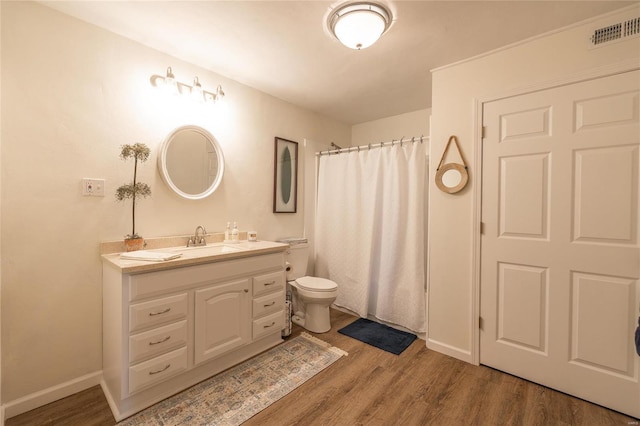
(157, 342)
(153, 314)
(270, 283)
(270, 304)
(159, 371)
(270, 325)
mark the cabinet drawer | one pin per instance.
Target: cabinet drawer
(157, 369)
(268, 283)
(157, 341)
(267, 304)
(272, 323)
(142, 315)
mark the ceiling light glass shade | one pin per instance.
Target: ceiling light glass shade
(359, 25)
(359, 30)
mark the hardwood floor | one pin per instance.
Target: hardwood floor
(373, 387)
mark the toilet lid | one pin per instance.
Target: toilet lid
(316, 284)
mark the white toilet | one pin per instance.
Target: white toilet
(311, 296)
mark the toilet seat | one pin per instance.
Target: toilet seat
(316, 284)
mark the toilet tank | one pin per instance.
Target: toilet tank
(297, 257)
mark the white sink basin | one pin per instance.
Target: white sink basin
(210, 249)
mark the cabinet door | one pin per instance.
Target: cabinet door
(222, 319)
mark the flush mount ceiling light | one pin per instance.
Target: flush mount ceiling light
(169, 83)
(359, 25)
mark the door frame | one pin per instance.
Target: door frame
(478, 119)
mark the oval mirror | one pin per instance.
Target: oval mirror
(451, 178)
(191, 162)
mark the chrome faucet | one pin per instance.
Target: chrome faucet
(198, 241)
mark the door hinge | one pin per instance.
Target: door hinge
(481, 228)
(483, 132)
(480, 323)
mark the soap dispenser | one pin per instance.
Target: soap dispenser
(227, 232)
(235, 237)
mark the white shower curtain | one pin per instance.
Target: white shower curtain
(370, 231)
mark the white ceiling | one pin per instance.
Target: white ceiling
(283, 47)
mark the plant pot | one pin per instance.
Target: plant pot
(134, 244)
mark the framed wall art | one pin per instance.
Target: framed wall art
(285, 176)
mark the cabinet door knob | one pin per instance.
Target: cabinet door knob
(270, 283)
(246, 290)
(270, 304)
(270, 325)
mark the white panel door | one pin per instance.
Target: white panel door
(560, 288)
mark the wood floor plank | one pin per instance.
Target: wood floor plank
(372, 387)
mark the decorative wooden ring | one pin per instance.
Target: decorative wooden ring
(464, 177)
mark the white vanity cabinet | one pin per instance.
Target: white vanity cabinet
(171, 325)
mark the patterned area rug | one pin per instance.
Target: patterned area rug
(239, 393)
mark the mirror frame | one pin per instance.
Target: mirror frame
(464, 178)
(162, 164)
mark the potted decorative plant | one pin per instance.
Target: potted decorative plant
(134, 191)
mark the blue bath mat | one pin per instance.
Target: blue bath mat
(379, 335)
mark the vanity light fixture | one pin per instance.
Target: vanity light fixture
(196, 91)
(359, 25)
(171, 85)
(219, 92)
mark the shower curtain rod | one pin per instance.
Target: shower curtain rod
(372, 145)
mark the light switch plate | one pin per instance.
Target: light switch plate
(93, 187)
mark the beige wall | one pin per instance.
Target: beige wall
(72, 95)
(415, 123)
(546, 61)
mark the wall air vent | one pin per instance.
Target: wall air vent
(616, 32)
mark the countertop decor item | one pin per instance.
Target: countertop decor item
(134, 190)
(452, 177)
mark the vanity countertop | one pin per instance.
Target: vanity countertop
(194, 256)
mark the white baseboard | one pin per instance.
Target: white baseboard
(54, 393)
